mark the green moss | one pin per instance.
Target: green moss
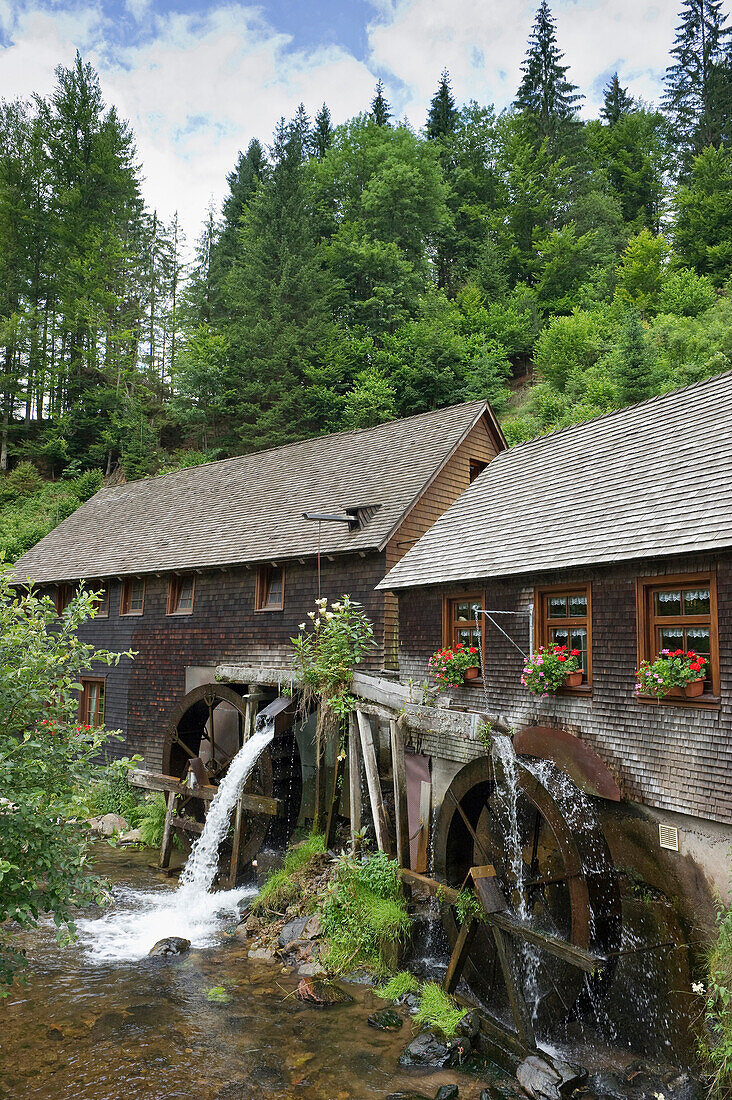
(402, 983)
(438, 1010)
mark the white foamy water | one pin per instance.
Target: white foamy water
(142, 917)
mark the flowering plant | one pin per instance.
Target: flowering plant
(545, 670)
(669, 670)
(327, 648)
(448, 666)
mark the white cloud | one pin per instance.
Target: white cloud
(199, 86)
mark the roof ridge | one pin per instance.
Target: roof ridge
(617, 412)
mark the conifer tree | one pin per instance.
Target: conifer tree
(380, 110)
(697, 92)
(635, 364)
(442, 116)
(545, 95)
(321, 135)
(617, 102)
(242, 181)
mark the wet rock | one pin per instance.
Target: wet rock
(109, 824)
(170, 945)
(293, 931)
(386, 1019)
(447, 1092)
(548, 1079)
(469, 1025)
(428, 1049)
(252, 925)
(409, 1000)
(262, 954)
(314, 991)
(311, 969)
(313, 928)
(407, 1096)
(132, 836)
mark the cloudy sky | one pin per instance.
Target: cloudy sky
(199, 79)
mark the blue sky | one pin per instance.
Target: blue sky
(198, 80)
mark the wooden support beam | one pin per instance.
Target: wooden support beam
(519, 1008)
(354, 781)
(166, 846)
(253, 803)
(430, 886)
(236, 842)
(423, 838)
(330, 820)
(400, 793)
(187, 825)
(460, 953)
(372, 780)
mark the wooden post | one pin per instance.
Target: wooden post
(236, 843)
(460, 953)
(332, 800)
(372, 779)
(400, 793)
(423, 839)
(354, 781)
(166, 846)
(519, 1008)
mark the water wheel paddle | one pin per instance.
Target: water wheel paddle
(553, 867)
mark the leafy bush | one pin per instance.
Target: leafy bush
(151, 821)
(438, 1010)
(114, 795)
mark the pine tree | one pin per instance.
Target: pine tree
(635, 364)
(697, 93)
(442, 117)
(617, 101)
(247, 173)
(321, 135)
(380, 110)
(545, 95)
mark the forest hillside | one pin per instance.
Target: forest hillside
(558, 266)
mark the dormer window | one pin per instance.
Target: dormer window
(270, 594)
(476, 467)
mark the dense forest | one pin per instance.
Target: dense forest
(559, 267)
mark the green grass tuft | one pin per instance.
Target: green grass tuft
(438, 1010)
(402, 983)
(280, 888)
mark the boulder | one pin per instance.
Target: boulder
(545, 1078)
(293, 931)
(132, 836)
(428, 1049)
(447, 1092)
(385, 1019)
(311, 969)
(170, 945)
(313, 928)
(262, 954)
(322, 994)
(110, 824)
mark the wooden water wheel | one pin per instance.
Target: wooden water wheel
(553, 868)
(209, 725)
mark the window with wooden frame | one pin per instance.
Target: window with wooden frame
(62, 597)
(458, 620)
(91, 701)
(132, 600)
(270, 595)
(180, 595)
(680, 612)
(476, 467)
(103, 600)
(563, 616)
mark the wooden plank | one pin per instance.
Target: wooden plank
(423, 839)
(372, 780)
(519, 1008)
(354, 781)
(400, 793)
(187, 825)
(430, 886)
(236, 842)
(166, 846)
(330, 821)
(253, 803)
(460, 952)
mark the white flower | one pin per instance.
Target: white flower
(302, 626)
(322, 603)
(317, 622)
(697, 987)
(311, 614)
(659, 1096)
(329, 615)
(337, 606)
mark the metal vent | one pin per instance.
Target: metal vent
(668, 837)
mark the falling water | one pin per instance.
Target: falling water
(193, 911)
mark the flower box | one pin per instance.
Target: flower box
(694, 689)
(471, 673)
(550, 668)
(573, 679)
(673, 675)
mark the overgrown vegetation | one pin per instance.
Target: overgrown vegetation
(47, 759)
(151, 821)
(112, 794)
(438, 1010)
(716, 1045)
(31, 507)
(282, 886)
(364, 915)
(398, 986)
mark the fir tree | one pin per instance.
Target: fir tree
(442, 117)
(321, 135)
(635, 365)
(697, 93)
(242, 181)
(380, 110)
(617, 101)
(545, 95)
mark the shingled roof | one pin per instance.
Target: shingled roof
(250, 508)
(650, 480)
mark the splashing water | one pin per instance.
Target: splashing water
(142, 917)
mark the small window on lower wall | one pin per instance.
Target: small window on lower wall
(132, 600)
(91, 702)
(180, 595)
(62, 597)
(564, 617)
(459, 623)
(270, 595)
(680, 612)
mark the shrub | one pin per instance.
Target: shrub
(114, 795)
(364, 915)
(151, 821)
(669, 670)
